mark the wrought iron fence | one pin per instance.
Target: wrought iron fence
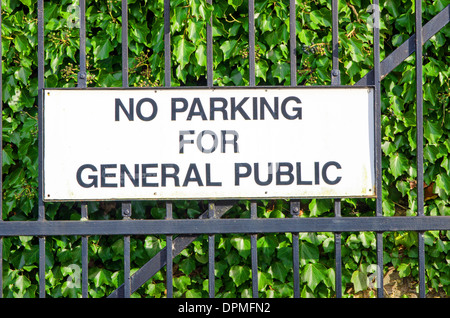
(210, 222)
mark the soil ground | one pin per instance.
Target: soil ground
(397, 287)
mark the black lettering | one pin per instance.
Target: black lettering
(324, 172)
(213, 108)
(269, 174)
(124, 170)
(238, 107)
(183, 141)
(273, 111)
(129, 113)
(299, 175)
(178, 110)
(316, 173)
(255, 108)
(209, 183)
(139, 109)
(146, 174)
(200, 144)
(165, 174)
(104, 175)
(298, 110)
(192, 111)
(238, 174)
(93, 178)
(233, 141)
(287, 173)
(192, 169)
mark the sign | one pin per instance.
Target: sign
(198, 143)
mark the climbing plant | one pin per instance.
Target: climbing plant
(231, 68)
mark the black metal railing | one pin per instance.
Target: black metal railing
(210, 222)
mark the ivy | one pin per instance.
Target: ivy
(233, 277)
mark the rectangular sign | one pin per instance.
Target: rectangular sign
(198, 143)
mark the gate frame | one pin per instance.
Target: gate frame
(210, 221)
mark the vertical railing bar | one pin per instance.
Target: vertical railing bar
(82, 83)
(124, 43)
(254, 252)
(84, 255)
(126, 214)
(126, 266)
(378, 186)
(293, 41)
(211, 254)
(251, 41)
(294, 204)
(338, 252)
(211, 210)
(336, 80)
(126, 206)
(419, 119)
(295, 212)
(296, 263)
(82, 75)
(41, 267)
(169, 206)
(252, 83)
(167, 57)
(419, 111)
(335, 74)
(209, 51)
(41, 207)
(379, 277)
(421, 242)
(376, 58)
(169, 259)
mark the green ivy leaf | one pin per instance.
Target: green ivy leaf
(308, 253)
(318, 207)
(264, 279)
(242, 245)
(235, 3)
(313, 274)
(228, 48)
(278, 271)
(281, 70)
(183, 50)
(261, 69)
(267, 244)
(443, 182)
(102, 50)
(359, 280)
(239, 274)
(432, 131)
(100, 277)
(22, 283)
(398, 164)
(367, 239)
(181, 283)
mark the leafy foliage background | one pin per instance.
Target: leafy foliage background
(230, 47)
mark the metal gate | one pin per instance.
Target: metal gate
(210, 222)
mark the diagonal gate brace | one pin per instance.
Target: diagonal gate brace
(408, 47)
(159, 260)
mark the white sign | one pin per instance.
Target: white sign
(129, 144)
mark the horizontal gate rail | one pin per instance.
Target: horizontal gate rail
(223, 226)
